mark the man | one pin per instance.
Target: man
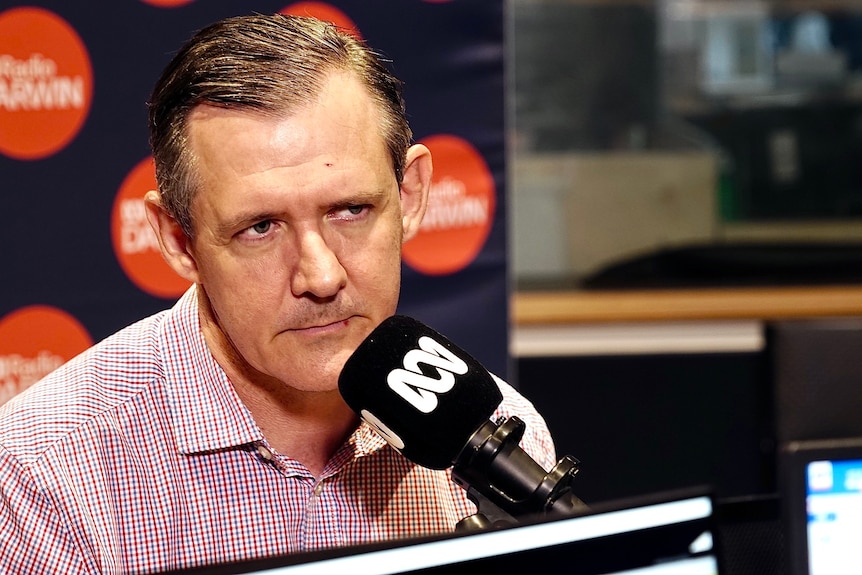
(214, 432)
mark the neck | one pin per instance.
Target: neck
(306, 426)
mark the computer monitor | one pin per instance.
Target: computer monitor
(822, 493)
(664, 534)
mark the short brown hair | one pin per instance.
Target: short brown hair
(271, 64)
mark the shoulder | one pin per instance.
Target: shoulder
(108, 374)
(537, 441)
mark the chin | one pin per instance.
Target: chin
(316, 378)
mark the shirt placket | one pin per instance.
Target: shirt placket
(320, 525)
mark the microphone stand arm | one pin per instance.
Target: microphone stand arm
(506, 484)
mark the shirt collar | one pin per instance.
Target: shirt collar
(207, 413)
(363, 441)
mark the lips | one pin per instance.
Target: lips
(323, 326)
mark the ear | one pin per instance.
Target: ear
(173, 242)
(415, 189)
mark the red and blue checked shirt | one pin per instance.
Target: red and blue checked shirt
(138, 456)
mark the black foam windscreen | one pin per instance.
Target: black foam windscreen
(419, 390)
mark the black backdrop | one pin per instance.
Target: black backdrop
(55, 222)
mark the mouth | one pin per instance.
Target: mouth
(322, 328)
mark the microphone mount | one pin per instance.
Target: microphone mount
(506, 484)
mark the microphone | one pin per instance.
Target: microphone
(433, 402)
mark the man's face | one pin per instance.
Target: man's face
(298, 233)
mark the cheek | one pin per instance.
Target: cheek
(376, 268)
(245, 283)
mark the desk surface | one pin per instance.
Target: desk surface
(767, 303)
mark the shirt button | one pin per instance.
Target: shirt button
(264, 452)
(318, 489)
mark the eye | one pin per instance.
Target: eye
(351, 212)
(257, 231)
(261, 227)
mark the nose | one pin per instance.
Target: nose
(318, 272)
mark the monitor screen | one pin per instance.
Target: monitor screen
(824, 505)
(664, 535)
(834, 515)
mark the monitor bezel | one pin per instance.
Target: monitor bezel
(588, 522)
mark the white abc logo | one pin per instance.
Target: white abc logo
(418, 389)
(390, 436)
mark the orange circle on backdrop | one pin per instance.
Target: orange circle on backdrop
(46, 83)
(322, 11)
(34, 341)
(135, 244)
(460, 209)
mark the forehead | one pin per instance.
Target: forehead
(341, 114)
(335, 140)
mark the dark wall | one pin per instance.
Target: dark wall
(640, 424)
